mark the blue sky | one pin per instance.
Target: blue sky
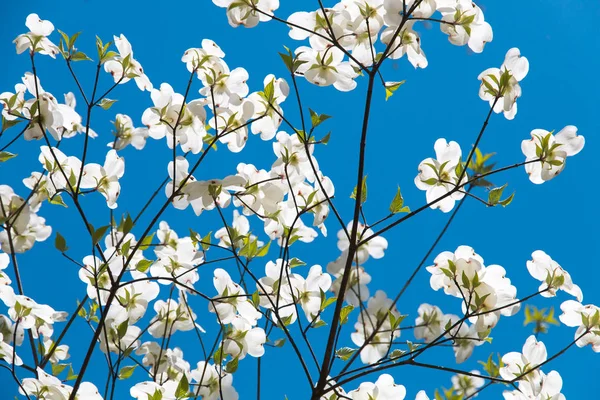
(560, 39)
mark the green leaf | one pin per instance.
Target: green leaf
(122, 329)
(79, 56)
(60, 243)
(71, 374)
(279, 342)
(98, 234)
(206, 241)
(288, 60)
(5, 156)
(397, 205)
(182, 388)
(9, 123)
(127, 371)
(269, 91)
(127, 224)
(391, 87)
(143, 265)
(495, 194)
(344, 353)
(146, 242)
(263, 251)
(294, 262)
(57, 369)
(507, 201)
(232, 366)
(57, 200)
(344, 313)
(317, 119)
(363, 195)
(106, 103)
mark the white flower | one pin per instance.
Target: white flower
(36, 39)
(547, 153)
(124, 66)
(439, 176)
(167, 112)
(171, 317)
(326, 67)
(231, 301)
(465, 24)
(406, 42)
(467, 385)
(550, 273)
(7, 351)
(428, 325)
(375, 315)
(242, 13)
(374, 247)
(214, 382)
(585, 318)
(524, 364)
(243, 339)
(267, 109)
(383, 389)
(126, 134)
(501, 86)
(547, 387)
(105, 178)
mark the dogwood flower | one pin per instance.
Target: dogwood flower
(231, 301)
(553, 277)
(406, 42)
(547, 153)
(36, 40)
(357, 290)
(49, 387)
(171, 316)
(374, 247)
(8, 354)
(428, 325)
(231, 123)
(467, 385)
(465, 337)
(179, 262)
(164, 363)
(180, 123)
(326, 67)
(246, 14)
(123, 67)
(126, 134)
(383, 389)
(267, 107)
(105, 179)
(276, 290)
(60, 353)
(243, 339)
(40, 318)
(206, 195)
(379, 307)
(45, 113)
(500, 87)
(213, 382)
(464, 24)
(547, 387)
(63, 171)
(439, 176)
(524, 364)
(586, 319)
(485, 290)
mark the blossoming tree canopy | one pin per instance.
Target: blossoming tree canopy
(198, 288)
